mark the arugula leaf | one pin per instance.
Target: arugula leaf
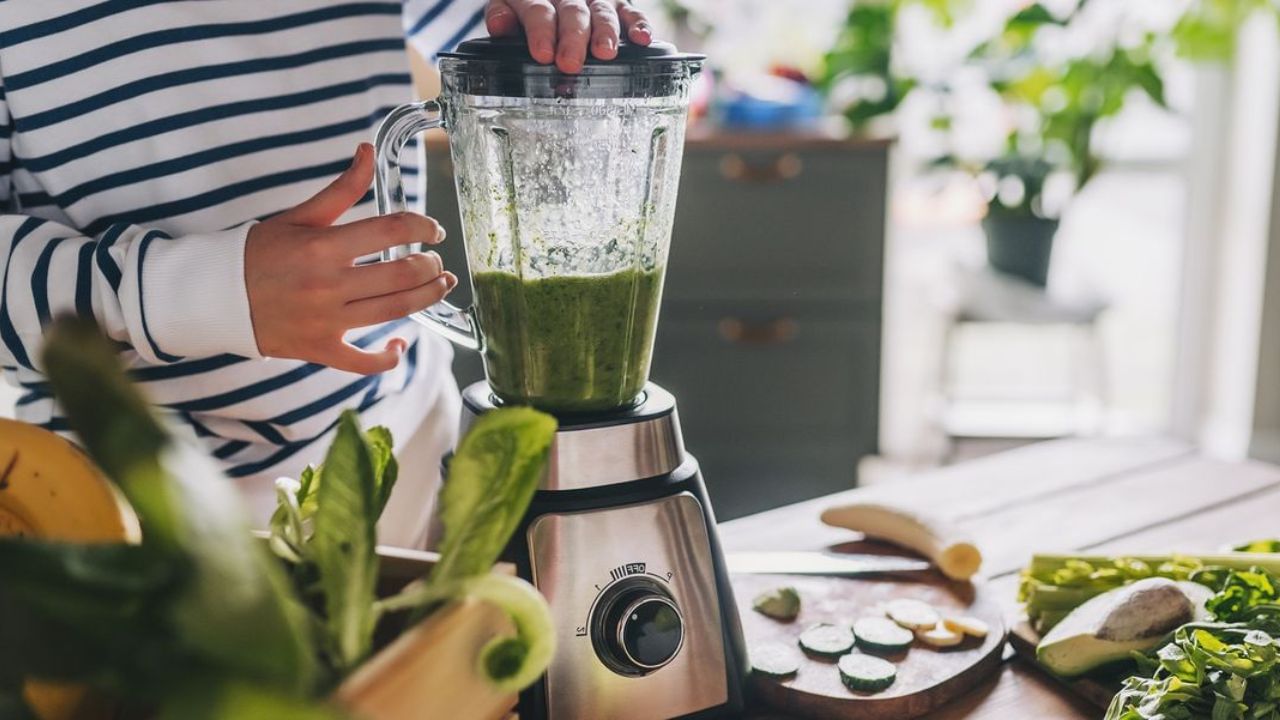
(343, 546)
(235, 608)
(492, 478)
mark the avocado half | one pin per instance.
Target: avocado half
(1107, 628)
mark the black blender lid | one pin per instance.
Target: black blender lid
(515, 48)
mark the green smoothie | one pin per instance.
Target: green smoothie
(578, 343)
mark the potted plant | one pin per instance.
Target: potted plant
(1055, 98)
(160, 603)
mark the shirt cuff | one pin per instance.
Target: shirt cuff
(195, 301)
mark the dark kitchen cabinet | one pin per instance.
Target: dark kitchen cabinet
(770, 331)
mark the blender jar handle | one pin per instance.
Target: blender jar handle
(400, 126)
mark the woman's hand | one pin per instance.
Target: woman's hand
(561, 30)
(305, 290)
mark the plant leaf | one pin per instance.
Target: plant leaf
(88, 613)
(386, 469)
(513, 663)
(492, 478)
(235, 610)
(343, 545)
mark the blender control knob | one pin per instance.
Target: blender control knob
(638, 629)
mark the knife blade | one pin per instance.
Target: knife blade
(819, 563)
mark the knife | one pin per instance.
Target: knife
(820, 563)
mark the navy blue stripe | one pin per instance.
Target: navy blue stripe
(57, 424)
(142, 299)
(267, 432)
(216, 154)
(70, 20)
(40, 280)
(34, 199)
(229, 449)
(461, 35)
(84, 281)
(271, 384)
(30, 397)
(288, 451)
(319, 405)
(184, 369)
(160, 211)
(192, 33)
(201, 430)
(429, 15)
(210, 114)
(7, 332)
(143, 86)
(106, 264)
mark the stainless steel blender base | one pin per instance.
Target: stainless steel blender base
(621, 540)
(580, 560)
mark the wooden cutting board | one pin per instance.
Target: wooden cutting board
(1097, 688)
(927, 678)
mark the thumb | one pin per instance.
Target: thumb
(338, 196)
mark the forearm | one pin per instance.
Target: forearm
(168, 298)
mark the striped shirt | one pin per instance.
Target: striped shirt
(140, 139)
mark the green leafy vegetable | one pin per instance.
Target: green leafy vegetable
(1259, 546)
(199, 621)
(233, 608)
(492, 478)
(343, 547)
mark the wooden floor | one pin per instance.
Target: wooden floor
(1100, 496)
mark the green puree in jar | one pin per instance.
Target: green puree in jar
(575, 343)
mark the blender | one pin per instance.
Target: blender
(566, 188)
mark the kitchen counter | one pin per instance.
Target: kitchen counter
(1103, 496)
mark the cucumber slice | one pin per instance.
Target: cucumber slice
(912, 614)
(877, 634)
(826, 640)
(864, 673)
(775, 659)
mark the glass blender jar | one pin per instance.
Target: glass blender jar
(566, 186)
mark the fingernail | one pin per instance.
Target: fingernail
(450, 280)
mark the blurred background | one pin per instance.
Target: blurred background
(1002, 221)
(914, 231)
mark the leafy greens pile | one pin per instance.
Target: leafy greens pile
(200, 621)
(1225, 670)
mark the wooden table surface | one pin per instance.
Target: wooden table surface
(1100, 496)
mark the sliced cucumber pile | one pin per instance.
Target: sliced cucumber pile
(877, 634)
(828, 641)
(865, 673)
(775, 659)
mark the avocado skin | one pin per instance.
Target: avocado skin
(1107, 628)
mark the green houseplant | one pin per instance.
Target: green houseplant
(1056, 103)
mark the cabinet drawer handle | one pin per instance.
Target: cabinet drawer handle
(770, 332)
(786, 166)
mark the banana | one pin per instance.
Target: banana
(948, 547)
(50, 490)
